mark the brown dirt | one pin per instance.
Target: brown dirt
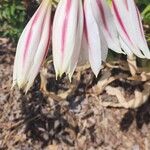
(37, 121)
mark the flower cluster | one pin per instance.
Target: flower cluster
(83, 29)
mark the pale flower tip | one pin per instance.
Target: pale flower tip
(96, 71)
(96, 75)
(70, 77)
(56, 77)
(28, 86)
(120, 51)
(21, 84)
(26, 90)
(60, 74)
(148, 56)
(13, 85)
(57, 74)
(123, 53)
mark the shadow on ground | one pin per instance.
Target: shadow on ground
(52, 122)
(141, 115)
(48, 121)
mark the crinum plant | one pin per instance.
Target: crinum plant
(80, 28)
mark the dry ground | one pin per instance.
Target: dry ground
(45, 121)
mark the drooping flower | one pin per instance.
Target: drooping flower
(83, 30)
(33, 46)
(96, 43)
(67, 35)
(129, 26)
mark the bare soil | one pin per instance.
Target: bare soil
(42, 120)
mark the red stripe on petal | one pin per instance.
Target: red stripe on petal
(120, 20)
(102, 13)
(65, 25)
(126, 4)
(85, 32)
(48, 44)
(29, 37)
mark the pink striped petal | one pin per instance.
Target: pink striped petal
(97, 47)
(67, 36)
(33, 44)
(138, 29)
(106, 22)
(129, 26)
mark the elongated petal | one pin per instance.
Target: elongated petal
(67, 36)
(40, 54)
(32, 44)
(97, 47)
(129, 27)
(108, 27)
(125, 47)
(138, 29)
